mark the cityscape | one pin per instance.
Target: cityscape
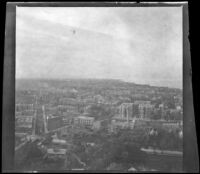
(99, 89)
(97, 124)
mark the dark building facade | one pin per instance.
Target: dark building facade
(54, 123)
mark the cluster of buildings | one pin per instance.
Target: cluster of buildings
(24, 117)
(133, 106)
(138, 109)
(68, 112)
(129, 114)
(140, 114)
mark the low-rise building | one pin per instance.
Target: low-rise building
(53, 152)
(84, 120)
(59, 141)
(172, 125)
(24, 121)
(23, 107)
(67, 120)
(121, 123)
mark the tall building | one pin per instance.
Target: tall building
(145, 111)
(145, 108)
(128, 110)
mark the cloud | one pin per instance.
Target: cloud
(142, 45)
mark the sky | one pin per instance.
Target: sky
(134, 44)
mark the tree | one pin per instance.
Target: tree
(156, 114)
(100, 111)
(97, 164)
(115, 166)
(48, 139)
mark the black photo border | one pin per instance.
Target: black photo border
(190, 154)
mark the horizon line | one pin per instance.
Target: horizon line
(76, 78)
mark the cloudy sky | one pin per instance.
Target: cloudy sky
(134, 44)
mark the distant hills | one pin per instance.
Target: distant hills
(37, 83)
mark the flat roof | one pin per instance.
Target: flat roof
(85, 117)
(57, 151)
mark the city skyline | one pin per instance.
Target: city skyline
(140, 45)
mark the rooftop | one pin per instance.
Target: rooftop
(56, 151)
(85, 117)
(142, 102)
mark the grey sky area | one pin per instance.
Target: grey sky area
(141, 45)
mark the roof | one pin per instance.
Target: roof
(128, 104)
(51, 116)
(86, 117)
(58, 141)
(142, 102)
(57, 151)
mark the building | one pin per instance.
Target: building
(168, 125)
(59, 141)
(54, 153)
(159, 114)
(84, 120)
(172, 125)
(24, 124)
(176, 114)
(23, 107)
(142, 102)
(128, 110)
(51, 110)
(67, 120)
(68, 101)
(54, 122)
(120, 123)
(145, 109)
(25, 99)
(24, 121)
(65, 131)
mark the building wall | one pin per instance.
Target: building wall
(84, 121)
(145, 110)
(23, 107)
(24, 121)
(130, 110)
(54, 123)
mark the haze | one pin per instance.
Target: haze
(134, 44)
